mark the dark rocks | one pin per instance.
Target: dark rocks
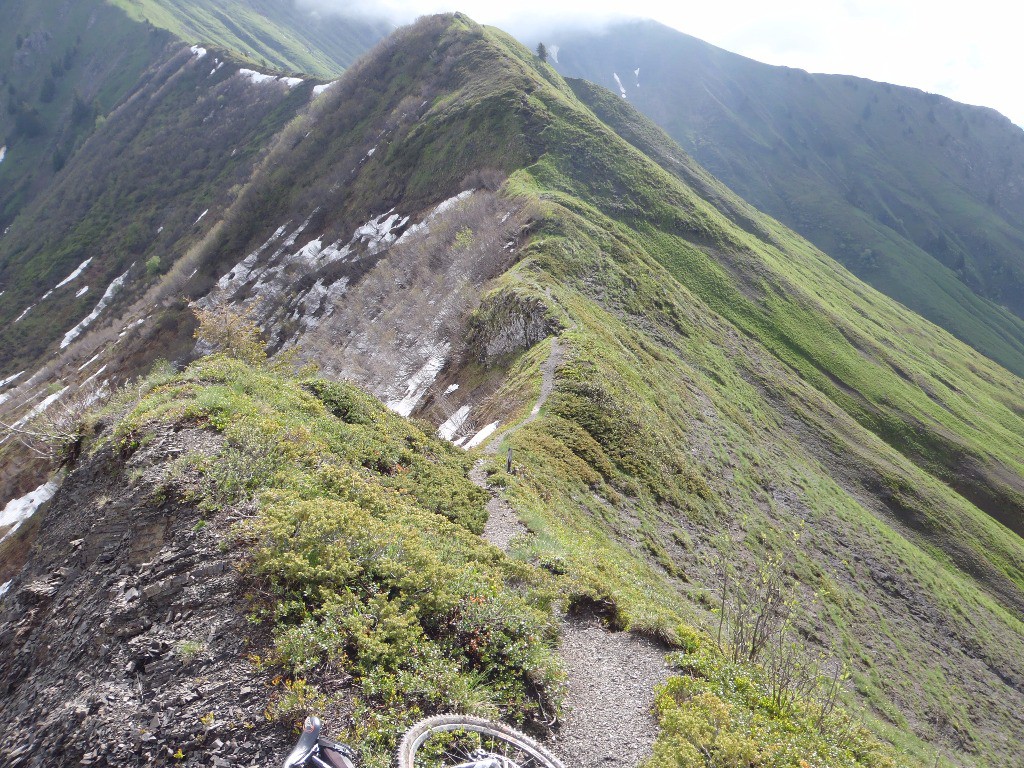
(509, 322)
(99, 632)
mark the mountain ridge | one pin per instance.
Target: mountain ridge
(840, 159)
(725, 389)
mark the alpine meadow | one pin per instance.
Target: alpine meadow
(380, 373)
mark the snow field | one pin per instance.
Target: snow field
(18, 511)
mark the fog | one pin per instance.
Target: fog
(968, 53)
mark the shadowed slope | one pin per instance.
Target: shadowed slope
(914, 193)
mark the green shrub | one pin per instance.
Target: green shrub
(365, 550)
(722, 715)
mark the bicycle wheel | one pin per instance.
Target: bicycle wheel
(447, 741)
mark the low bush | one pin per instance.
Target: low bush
(363, 549)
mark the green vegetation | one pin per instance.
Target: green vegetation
(364, 550)
(910, 191)
(125, 206)
(276, 35)
(724, 377)
(363, 553)
(722, 714)
(61, 68)
(189, 650)
(722, 381)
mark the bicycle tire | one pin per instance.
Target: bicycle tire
(495, 738)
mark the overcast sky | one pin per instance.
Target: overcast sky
(964, 50)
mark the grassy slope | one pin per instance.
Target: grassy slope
(910, 191)
(85, 52)
(727, 382)
(64, 69)
(724, 378)
(380, 600)
(126, 167)
(278, 35)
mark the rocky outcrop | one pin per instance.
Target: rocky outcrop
(124, 638)
(509, 322)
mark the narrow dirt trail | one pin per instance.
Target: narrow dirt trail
(547, 386)
(607, 720)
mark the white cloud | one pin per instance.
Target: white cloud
(965, 51)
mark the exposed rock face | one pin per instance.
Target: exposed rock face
(124, 636)
(510, 322)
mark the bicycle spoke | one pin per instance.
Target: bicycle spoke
(453, 741)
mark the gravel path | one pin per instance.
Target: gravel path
(503, 523)
(611, 676)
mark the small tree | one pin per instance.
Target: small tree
(223, 328)
(234, 332)
(542, 52)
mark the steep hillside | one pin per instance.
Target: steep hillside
(95, 101)
(156, 623)
(916, 194)
(457, 229)
(137, 192)
(277, 34)
(63, 66)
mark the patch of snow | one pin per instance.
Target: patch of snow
(78, 270)
(452, 201)
(291, 82)
(424, 226)
(318, 89)
(447, 430)
(370, 153)
(42, 406)
(81, 291)
(3, 153)
(241, 272)
(379, 229)
(161, 229)
(637, 73)
(5, 587)
(18, 511)
(482, 435)
(618, 82)
(46, 402)
(10, 379)
(553, 52)
(108, 294)
(418, 384)
(21, 317)
(451, 388)
(198, 51)
(101, 370)
(201, 216)
(256, 77)
(89, 362)
(310, 251)
(127, 328)
(290, 240)
(411, 231)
